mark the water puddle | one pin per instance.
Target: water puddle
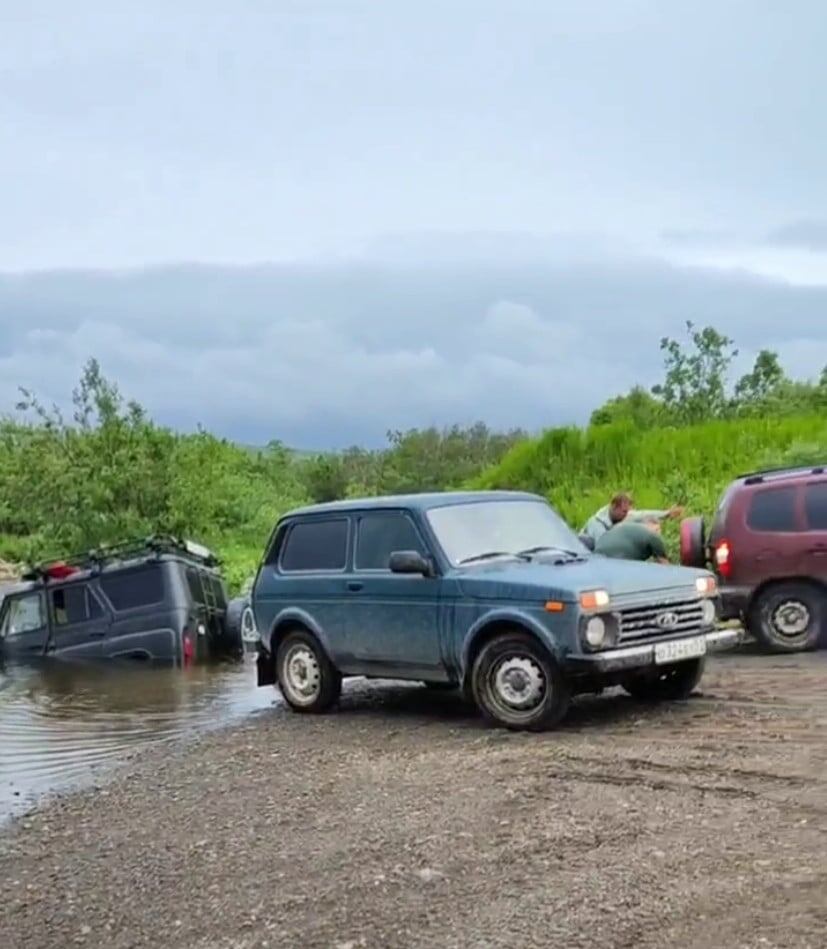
(61, 725)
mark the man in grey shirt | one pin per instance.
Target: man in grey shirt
(621, 508)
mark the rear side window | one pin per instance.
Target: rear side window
(815, 505)
(379, 535)
(773, 511)
(194, 585)
(133, 588)
(316, 545)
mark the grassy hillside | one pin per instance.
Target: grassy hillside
(579, 469)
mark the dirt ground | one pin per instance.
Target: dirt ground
(400, 821)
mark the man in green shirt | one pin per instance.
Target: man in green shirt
(633, 540)
(620, 510)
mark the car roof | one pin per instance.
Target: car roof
(773, 475)
(419, 502)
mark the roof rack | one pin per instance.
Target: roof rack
(98, 557)
(756, 477)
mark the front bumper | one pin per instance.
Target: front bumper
(643, 655)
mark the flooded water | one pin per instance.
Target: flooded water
(61, 725)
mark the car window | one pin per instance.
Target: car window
(815, 505)
(74, 604)
(130, 589)
(379, 534)
(195, 586)
(316, 545)
(773, 510)
(25, 614)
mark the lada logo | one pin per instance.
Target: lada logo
(667, 620)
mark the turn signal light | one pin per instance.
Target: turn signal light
(594, 599)
(554, 606)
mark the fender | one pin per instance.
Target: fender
(512, 617)
(295, 616)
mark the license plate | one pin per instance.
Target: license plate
(680, 649)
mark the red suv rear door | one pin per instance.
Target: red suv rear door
(815, 514)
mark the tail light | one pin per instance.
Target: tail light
(188, 650)
(723, 559)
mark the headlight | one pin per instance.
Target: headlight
(594, 600)
(710, 614)
(706, 586)
(595, 632)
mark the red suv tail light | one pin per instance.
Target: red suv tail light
(723, 559)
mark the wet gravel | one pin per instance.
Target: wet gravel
(400, 821)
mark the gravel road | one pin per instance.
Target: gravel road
(400, 821)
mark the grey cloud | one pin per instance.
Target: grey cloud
(808, 235)
(337, 353)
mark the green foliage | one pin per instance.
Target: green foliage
(579, 470)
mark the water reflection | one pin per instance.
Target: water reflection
(61, 723)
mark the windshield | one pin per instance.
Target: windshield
(492, 528)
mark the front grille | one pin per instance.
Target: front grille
(641, 622)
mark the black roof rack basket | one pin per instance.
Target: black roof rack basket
(95, 559)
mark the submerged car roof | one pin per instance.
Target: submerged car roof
(422, 502)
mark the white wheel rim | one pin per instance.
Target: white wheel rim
(518, 683)
(791, 618)
(249, 633)
(301, 674)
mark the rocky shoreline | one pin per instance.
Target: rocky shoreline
(402, 821)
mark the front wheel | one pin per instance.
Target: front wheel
(308, 680)
(516, 684)
(666, 684)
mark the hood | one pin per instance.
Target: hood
(509, 579)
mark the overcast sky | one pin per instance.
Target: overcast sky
(403, 212)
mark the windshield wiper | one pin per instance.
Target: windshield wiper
(530, 551)
(489, 555)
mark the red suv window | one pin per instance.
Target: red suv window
(815, 505)
(773, 511)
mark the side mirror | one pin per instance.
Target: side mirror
(410, 561)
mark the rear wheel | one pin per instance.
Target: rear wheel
(308, 680)
(516, 684)
(788, 617)
(666, 684)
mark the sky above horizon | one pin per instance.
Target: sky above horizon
(530, 172)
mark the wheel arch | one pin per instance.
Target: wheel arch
(494, 624)
(774, 582)
(295, 619)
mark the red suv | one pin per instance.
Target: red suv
(768, 546)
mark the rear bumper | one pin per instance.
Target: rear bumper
(641, 656)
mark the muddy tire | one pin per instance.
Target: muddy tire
(306, 677)
(666, 684)
(788, 617)
(516, 684)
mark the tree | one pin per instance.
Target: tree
(763, 383)
(695, 386)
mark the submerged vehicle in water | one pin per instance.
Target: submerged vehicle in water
(160, 600)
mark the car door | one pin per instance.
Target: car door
(23, 627)
(79, 622)
(392, 619)
(814, 558)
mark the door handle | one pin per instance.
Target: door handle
(355, 585)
